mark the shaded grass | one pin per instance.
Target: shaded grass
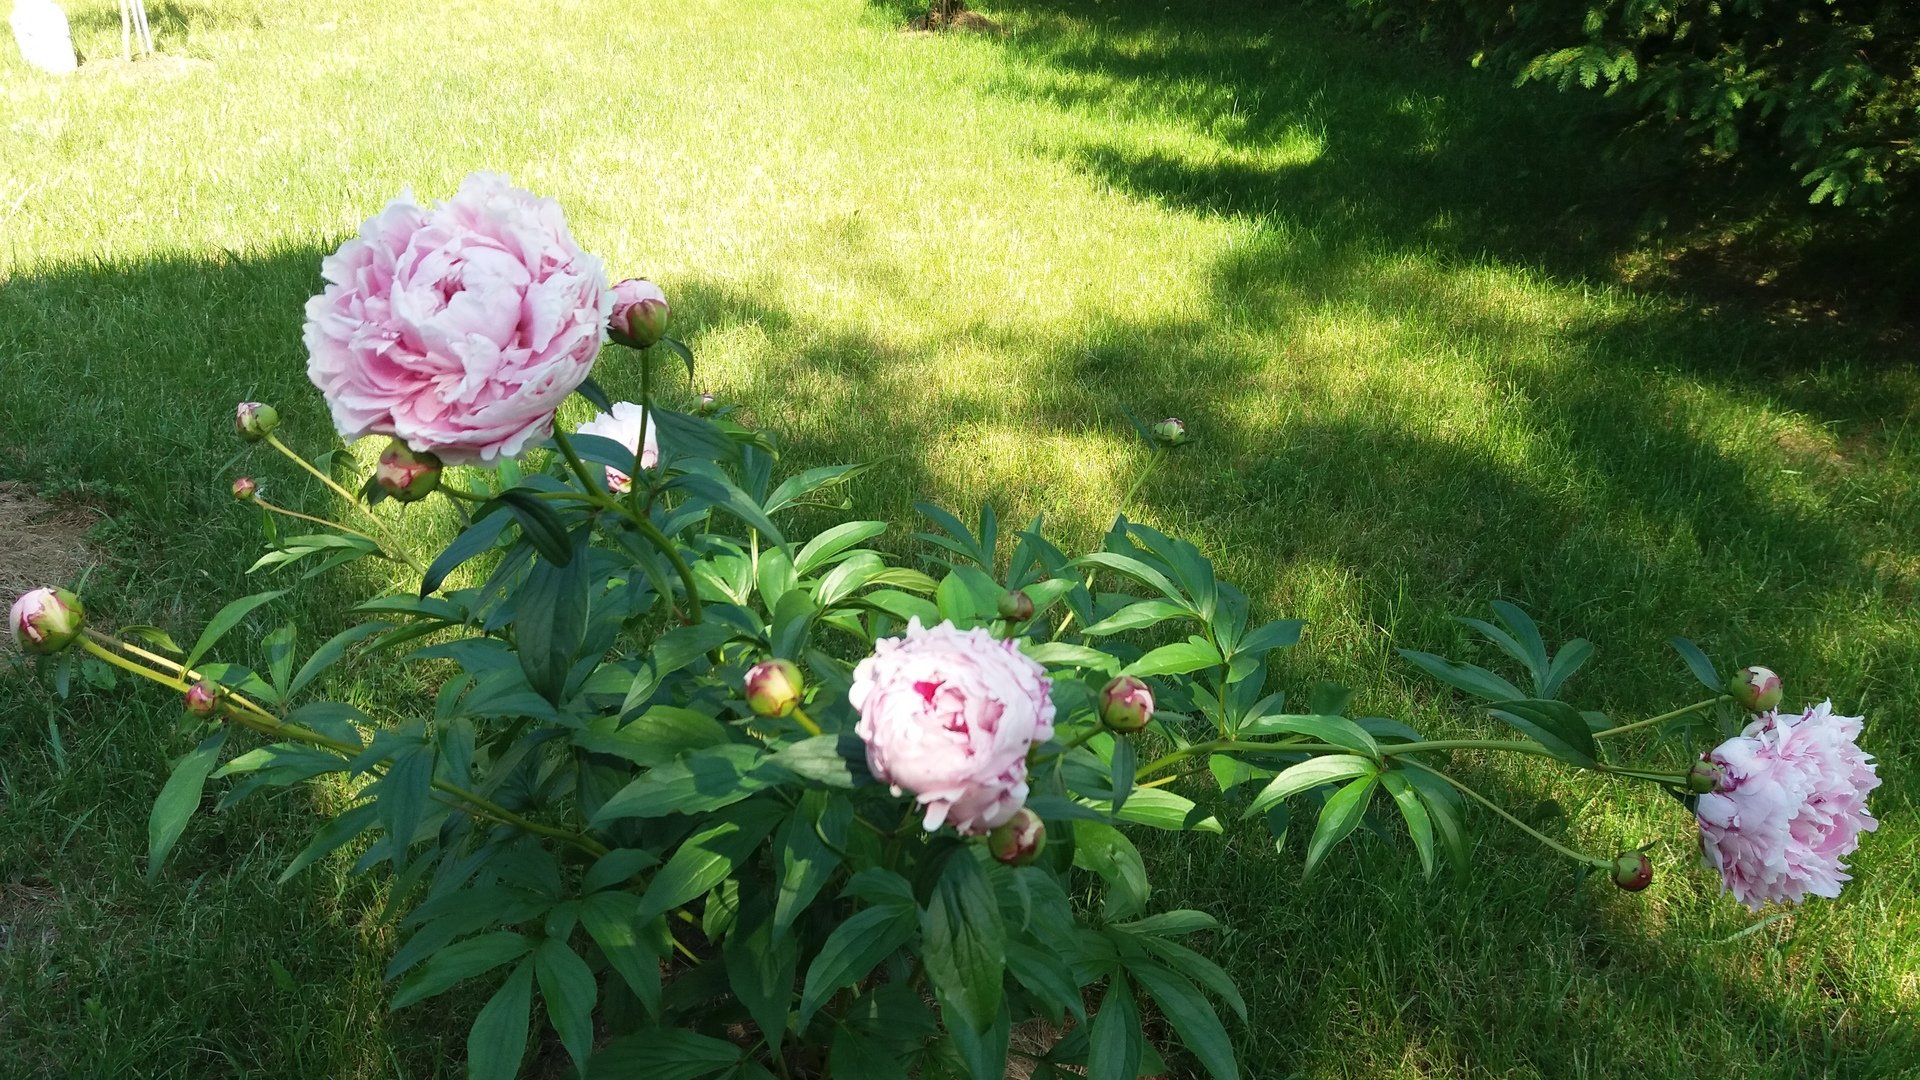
(1378, 291)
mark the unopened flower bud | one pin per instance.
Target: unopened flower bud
(639, 313)
(1706, 777)
(244, 488)
(46, 620)
(1755, 689)
(406, 475)
(1020, 841)
(255, 421)
(707, 405)
(203, 698)
(1633, 871)
(1016, 606)
(1170, 432)
(1126, 704)
(774, 688)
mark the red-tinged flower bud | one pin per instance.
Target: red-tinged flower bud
(46, 620)
(774, 688)
(1020, 841)
(1170, 432)
(1126, 704)
(639, 313)
(1633, 871)
(1016, 606)
(255, 421)
(203, 698)
(244, 488)
(406, 475)
(1755, 689)
(1705, 777)
(707, 405)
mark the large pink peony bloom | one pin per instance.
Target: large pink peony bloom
(949, 715)
(458, 329)
(622, 425)
(1792, 805)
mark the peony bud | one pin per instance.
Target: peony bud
(707, 405)
(774, 688)
(1755, 689)
(255, 421)
(1706, 776)
(1019, 841)
(639, 313)
(1633, 871)
(1126, 704)
(1016, 606)
(1170, 432)
(244, 488)
(405, 474)
(203, 698)
(46, 620)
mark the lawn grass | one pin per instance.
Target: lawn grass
(1379, 290)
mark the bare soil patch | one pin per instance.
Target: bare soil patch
(41, 543)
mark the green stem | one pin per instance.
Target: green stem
(640, 521)
(350, 531)
(388, 539)
(454, 491)
(250, 715)
(1153, 462)
(1663, 717)
(1576, 856)
(646, 408)
(806, 721)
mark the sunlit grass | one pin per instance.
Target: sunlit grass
(1366, 281)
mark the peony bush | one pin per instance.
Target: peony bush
(705, 797)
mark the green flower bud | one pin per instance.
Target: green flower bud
(245, 489)
(46, 620)
(1016, 606)
(255, 421)
(1632, 871)
(1706, 776)
(1126, 704)
(405, 474)
(1170, 432)
(1755, 689)
(707, 405)
(1020, 841)
(774, 688)
(640, 312)
(203, 698)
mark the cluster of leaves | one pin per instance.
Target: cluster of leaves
(588, 807)
(1830, 87)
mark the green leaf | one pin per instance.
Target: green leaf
(1310, 773)
(458, 962)
(656, 737)
(984, 1053)
(330, 653)
(704, 780)
(1419, 825)
(1113, 1049)
(1477, 681)
(1698, 663)
(1279, 634)
(852, 950)
(568, 988)
(1444, 805)
(498, 1039)
(1533, 648)
(1337, 730)
(611, 918)
(1137, 616)
(1130, 567)
(1048, 978)
(279, 649)
(964, 943)
(1342, 812)
(1556, 725)
(760, 968)
(476, 538)
(679, 350)
(1158, 808)
(822, 548)
(805, 861)
(722, 493)
(1571, 658)
(706, 857)
(1104, 850)
(1054, 654)
(1200, 969)
(1179, 658)
(837, 761)
(1192, 1017)
(539, 523)
(664, 1054)
(550, 618)
(178, 799)
(350, 823)
(227, 618)
(799, 486)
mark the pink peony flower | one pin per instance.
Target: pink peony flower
(458, 329)
(1792, 804)
(622, 425)
(950, 715)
